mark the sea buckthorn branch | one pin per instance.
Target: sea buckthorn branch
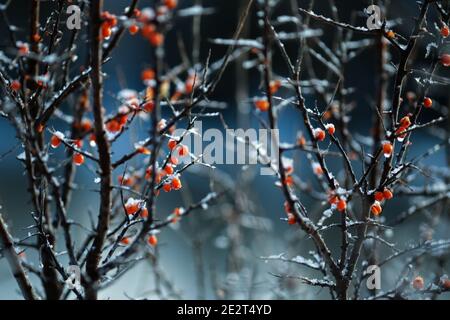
(9, 251)
(70, 168)
(425, 90)
(301, 218)
(399, 78)
(81, 79)
(93, 257)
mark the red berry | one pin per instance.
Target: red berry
(176, 183)
(133, 29)
(262, 104)
(341, 205)
(387, 149)
(78, 159)
(379, 196)
(445, 60)
(387, 194)
(172, 144)
(445, 31)
(427, 102)
(375, 208)
(319, 134)
(15, 85)
(152, 240)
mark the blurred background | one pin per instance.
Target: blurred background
(216, 253)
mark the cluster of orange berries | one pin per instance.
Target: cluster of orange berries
(147, 19)
(262, 104)
(116, 124)
(418, 283)
(133, 206)
(109, 22)
(339, 202)
(405, 123)
(320, 135)
(56, 140)
(379, 196)
(151, 240)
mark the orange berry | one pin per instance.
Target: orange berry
(375, 208)
(390, 34)
(168, 169)
(152, 240)
(86, 125)
(172, 144)
(427, 102)
(106, 31)
(405, 122)
(133, 29)
(387, 149)
(148, 74)
(122, 119)
(445, 60)
(177, 212)
(125, 180)
(318, 169)
(156, 39)
(148, 30)
(379, 196)
(401, 133)
(330, 128)
(445, 31)
(167, 187)
(171, 4)
(132, 206)
(176, 183)
(301, 141)
(418, 283)
(341, 205)
(291, 219)
(78, 159)
(287, 207)
(274, 86)
(144, 213)
(319, 134)
(125, 241)
(78, 143)
(56, 139)
(387, 194)
(262, 104)
(113, 126)
(36, 37)
(15, 85)
(143, 150)
(289, 181)
(183, 151)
